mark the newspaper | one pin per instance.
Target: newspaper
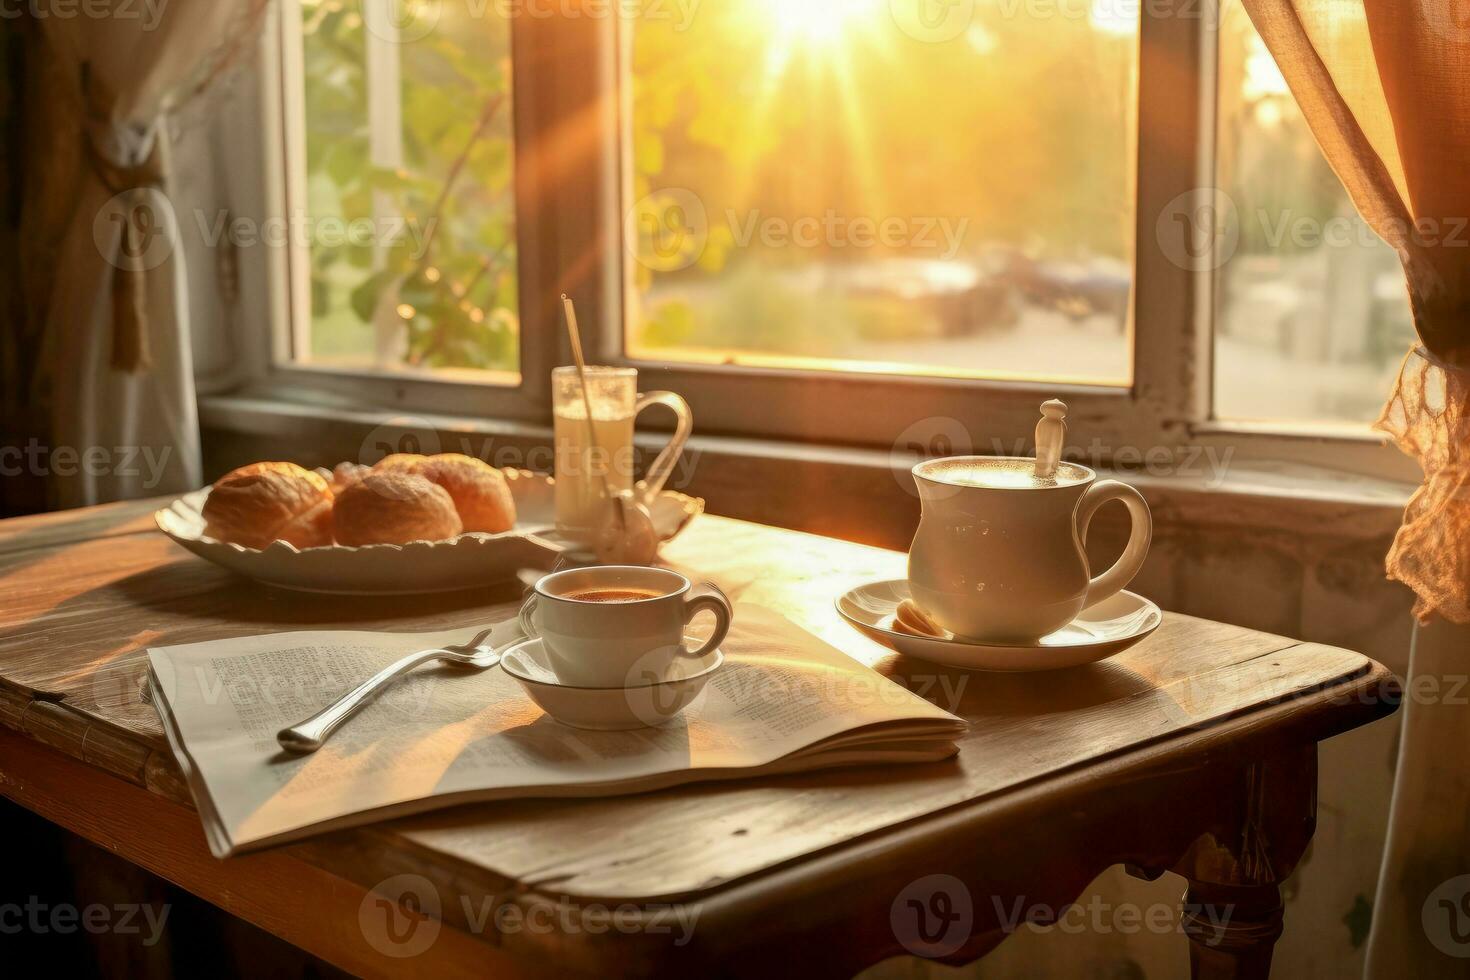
(783, 702)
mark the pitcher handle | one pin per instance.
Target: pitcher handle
(1115, 579)
(663, 467)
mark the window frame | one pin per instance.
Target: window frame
(569, 228)
(280, 273)
(877, 410)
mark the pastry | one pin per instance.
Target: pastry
(480, 492)
(394, 507)
(401, 461)
(909, 618)
(265, 502)
(346, 474)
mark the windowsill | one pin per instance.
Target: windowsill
(861, 494)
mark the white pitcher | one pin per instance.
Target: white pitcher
(999, 556)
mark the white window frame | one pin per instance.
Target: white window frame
(570, 240)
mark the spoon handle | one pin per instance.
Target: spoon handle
(1051, 433)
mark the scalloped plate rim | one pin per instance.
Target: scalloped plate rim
(287, 547)
(300, 569)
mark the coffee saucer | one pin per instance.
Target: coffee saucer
(608, 709)
(1100, 631)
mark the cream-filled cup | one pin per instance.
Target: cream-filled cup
(620, 625)
(998, 556)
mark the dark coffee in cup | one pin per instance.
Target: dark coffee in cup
(620, 625)
(613, 595)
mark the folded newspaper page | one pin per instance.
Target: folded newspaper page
(784, 702)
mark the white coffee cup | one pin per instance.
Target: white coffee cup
(998, 555)
(621, 641)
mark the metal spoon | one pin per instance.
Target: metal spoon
(309, 735)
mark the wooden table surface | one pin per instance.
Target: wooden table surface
(1194, 751)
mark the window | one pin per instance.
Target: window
(1313, 316)
(832, 186)
(825, 220)
(404, 181)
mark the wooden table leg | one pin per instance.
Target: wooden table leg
(1232, 931)
(1232, 910)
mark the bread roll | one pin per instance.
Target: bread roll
(479, 491)
(346, 474)
(401, 461)
(394, 507)
(265, 502)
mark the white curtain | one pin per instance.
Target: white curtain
(117, 360)
(1421, 919)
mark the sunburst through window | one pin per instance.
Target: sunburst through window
(828, 184)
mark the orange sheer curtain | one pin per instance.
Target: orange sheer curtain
(1385, 86)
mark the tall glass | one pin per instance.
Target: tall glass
(595, 459)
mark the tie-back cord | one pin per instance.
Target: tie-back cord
(129, 162)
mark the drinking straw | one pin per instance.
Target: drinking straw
(576, 338)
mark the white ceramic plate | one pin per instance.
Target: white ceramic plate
(469, 561)
(608, 709)
(1109, 627)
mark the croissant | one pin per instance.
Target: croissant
(265, 502)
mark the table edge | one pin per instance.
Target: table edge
(1367, 693)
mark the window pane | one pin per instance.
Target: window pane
(408, 186)
(845, 184)
(1313, 314)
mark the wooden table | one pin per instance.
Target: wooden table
(1194, 752)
